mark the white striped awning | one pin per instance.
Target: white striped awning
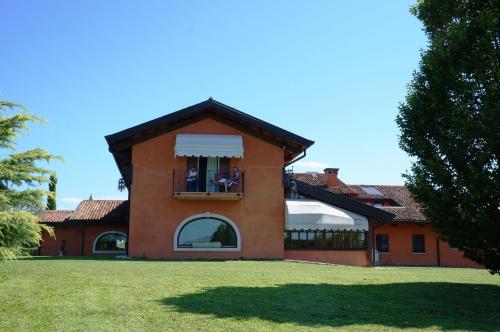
(230, 146)
(310, 214)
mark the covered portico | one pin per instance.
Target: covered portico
(325, 227)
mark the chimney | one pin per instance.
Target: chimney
(331, 177)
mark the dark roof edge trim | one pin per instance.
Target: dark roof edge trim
(343, 202)
(196, 109)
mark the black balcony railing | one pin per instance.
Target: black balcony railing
(208, 181)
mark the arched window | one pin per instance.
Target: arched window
(207, 232)
(110, 243)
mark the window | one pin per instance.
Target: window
(382, 241)
(325, 239)
(110, 242)
(207, 233)
(418, 244)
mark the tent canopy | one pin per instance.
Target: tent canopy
(187, 145)
(311, 214)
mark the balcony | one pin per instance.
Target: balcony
(207, 185)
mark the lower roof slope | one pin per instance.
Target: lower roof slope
(406, 211)
(89, 211)
(54, 216)
(100, 210)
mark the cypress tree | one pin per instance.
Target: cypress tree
(51, 197)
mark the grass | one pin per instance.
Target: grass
(118, 295)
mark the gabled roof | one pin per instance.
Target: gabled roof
(343, 202)
(121, 142)
(89, 211)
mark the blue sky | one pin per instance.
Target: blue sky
(331, 71)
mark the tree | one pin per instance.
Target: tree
(450, 124)
(51, 198)
(20, 174)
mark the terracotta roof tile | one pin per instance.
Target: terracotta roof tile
(405, 214)
(54, 216)
(101, 210)
(319, 179)
(89, 211)
(312, 178)
(408, 211)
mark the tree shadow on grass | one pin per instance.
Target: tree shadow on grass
(448, 306)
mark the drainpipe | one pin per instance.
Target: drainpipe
(373, 242)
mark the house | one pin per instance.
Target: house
(209, 182)
(408, 239)
(96, 227)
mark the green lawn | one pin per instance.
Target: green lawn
(106, 295)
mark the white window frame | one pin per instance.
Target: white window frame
(207, 215)
(108, 251)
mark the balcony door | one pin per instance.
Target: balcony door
(208, 169)
(212, 169)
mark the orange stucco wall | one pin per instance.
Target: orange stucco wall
(355, 257)
(72, 236)
(454, 258)
(155, 213)
(401, 248)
